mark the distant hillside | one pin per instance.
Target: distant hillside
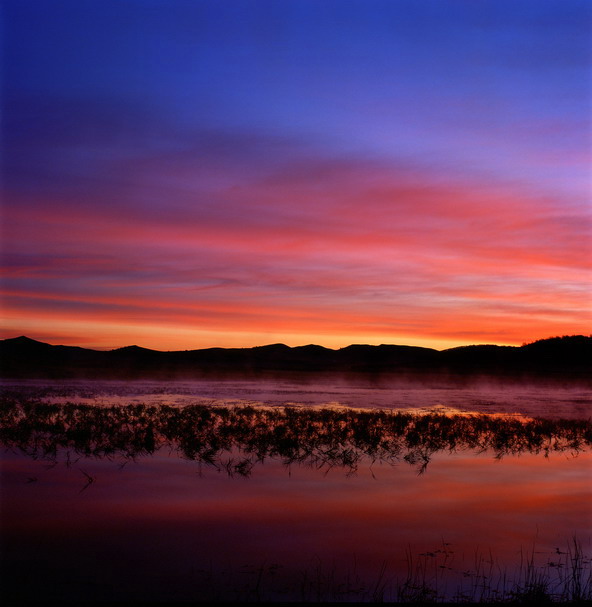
(568, 357)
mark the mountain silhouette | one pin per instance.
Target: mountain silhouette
(564, 358)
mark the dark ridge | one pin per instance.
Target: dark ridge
(565, 359)
(274, 347)
(23, 339)
(134, 349)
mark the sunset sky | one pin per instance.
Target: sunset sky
(181, 174)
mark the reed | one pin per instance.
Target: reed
(439, 577)
(237, 439)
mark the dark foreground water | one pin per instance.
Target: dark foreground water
(256, 491)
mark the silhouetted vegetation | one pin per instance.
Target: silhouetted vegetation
(439, 576)
(237, 438)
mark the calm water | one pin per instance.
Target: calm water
(170, 492)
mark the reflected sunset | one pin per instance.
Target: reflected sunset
(219, 492)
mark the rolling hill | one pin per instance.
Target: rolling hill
(568, 357)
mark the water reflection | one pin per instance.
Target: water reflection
(238, 439)
(79, 521)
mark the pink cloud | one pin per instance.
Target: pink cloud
(327, 250)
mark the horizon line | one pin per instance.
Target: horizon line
(112, 349)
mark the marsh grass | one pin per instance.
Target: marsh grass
(439, 576)
(237, 439)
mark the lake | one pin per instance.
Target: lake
(294, 491)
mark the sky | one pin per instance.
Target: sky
(183, 174)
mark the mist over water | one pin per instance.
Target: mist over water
(483, 396)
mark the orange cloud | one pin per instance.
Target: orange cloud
(334, 255)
